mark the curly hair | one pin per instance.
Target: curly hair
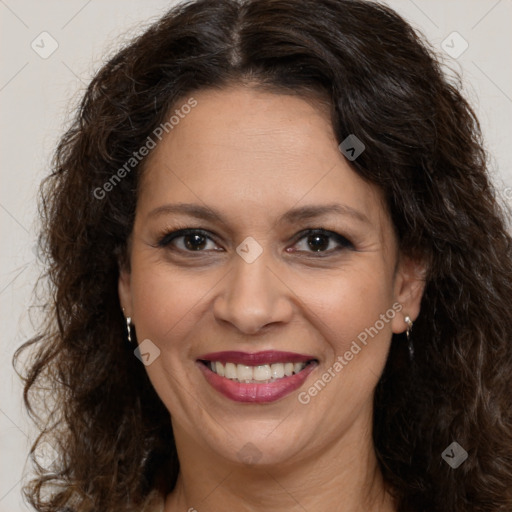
(424, 150)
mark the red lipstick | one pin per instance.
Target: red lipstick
(251, 392)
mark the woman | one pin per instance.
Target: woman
(280, 277)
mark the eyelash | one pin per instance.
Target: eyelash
(166, 239)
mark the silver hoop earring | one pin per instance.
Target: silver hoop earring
(410, 344)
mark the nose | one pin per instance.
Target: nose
(253, 296)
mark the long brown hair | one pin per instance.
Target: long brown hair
(423, 149)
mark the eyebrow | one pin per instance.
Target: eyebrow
(295, 214)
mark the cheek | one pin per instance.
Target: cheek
(353, 316)
(163, 298)
(166, 302)
(166, 306)
(355, 321)
(346, 305)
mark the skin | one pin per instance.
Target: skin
(254, 155)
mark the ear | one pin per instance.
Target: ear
(124, 290)
(408, 290)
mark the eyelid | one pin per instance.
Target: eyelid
(320, 231)
(165, 239)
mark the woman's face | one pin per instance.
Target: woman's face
(260, 170)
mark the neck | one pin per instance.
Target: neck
(344, 477)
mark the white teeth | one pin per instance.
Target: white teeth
(244, 372)
(219, 369)
(277, 370)
(230, 371)
(262, 372)
(250, 374)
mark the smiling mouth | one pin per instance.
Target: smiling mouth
(258, 374)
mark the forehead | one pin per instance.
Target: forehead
(245, 149)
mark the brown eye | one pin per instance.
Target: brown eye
(188, 240)
(323, 241)
(194, 242)
(318, 242)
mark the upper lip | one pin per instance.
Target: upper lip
(256, 358)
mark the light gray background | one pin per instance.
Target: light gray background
(36, 100)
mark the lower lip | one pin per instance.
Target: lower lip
(256, 393)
